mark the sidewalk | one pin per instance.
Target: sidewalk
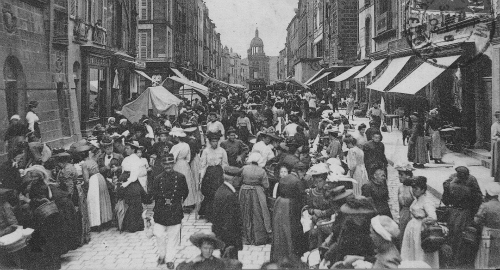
(436, 173)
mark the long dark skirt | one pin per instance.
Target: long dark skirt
(243, 134)
(255, 215)
(70, 226)
(132, 222)
(211, 182)
(47, 243)
(82, 215)
(463, 253)
(288, 236)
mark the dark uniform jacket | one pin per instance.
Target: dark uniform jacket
(169, 190)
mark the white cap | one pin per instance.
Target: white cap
(15, 117)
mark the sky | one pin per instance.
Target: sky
(236, 21)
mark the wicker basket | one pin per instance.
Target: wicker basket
(45, 210)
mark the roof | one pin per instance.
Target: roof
(257, 41)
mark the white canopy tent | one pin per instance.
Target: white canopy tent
(156, 98)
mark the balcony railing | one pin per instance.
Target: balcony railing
(80, 31)
(98, 34)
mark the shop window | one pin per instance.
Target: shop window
(97, 91)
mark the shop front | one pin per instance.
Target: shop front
(96, 87)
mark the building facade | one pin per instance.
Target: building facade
(257, 59)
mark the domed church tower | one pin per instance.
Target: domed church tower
(257, 60)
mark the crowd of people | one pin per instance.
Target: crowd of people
(264, 167)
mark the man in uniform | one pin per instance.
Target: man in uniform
(236, 149)
(169, 190)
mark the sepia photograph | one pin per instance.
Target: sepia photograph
(249, 134)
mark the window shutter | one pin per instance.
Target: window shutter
(143, 45)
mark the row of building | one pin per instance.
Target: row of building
(83, 59)
(407, 55)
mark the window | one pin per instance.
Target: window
(368, 36)
(144, 44)
(97, 87)
(169, 46)
(145, 10)
(384, 6)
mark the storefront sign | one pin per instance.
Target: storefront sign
(97, 61)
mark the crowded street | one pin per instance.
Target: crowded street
(252, 134)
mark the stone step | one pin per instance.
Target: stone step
(481, 154)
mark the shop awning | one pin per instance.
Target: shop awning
(423, 75)
(314, 76)
(369, 68)
(238, 85)
(389, 74)
(179, 74)
(143, 75)
(194, 85)
(319, 78)
(348, 74)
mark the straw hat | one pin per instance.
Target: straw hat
(198, 238)
(384, 226)
(133, 144)
(254, 157)
(404, 167)
(317, 169)
(493, 189)
(178, 132)
(340, 193)
(106, 141)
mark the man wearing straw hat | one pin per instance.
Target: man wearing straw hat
(169, 190)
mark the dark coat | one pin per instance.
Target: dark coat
(227, 224)
(169, 186)
(380, 196)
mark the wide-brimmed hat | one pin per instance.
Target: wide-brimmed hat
(358, 205)
(317, 169)
(82, 148)
(254, 157)
(252, 139)
(232, 171)
(384, 226)
(15, 117)
(493, 189)
(214, 135)
(198, 238)
(60, 154)
(134, 144)
(177, 132)
(231, 130)
(162, 130)
(116, 136)
(190, 129)
(106, 141)
(271, 135)
(339, 193)
(404, 167)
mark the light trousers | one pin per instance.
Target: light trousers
(168, 239)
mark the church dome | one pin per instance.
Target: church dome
(257, 41)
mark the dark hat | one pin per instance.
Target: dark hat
(358, 205)
(198, 238)
(272, 136)
(134, 144)
(83, 148)
(106, 141)
(340, 193)
(162, 130)
(213, 135)
(168, 158)
(300, 166)
(144, 119)
(231, 130)
(232, 171)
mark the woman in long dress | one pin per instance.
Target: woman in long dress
(182, 156)
(356, 163)
(350, 107)
(405, 196)
(422, 211)
(213, 159)
(495, 148)
(253, 201)
(433, 126)
(417, 147)
(377, 190)
(288, 236)
(488, 217)
(98, 200)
